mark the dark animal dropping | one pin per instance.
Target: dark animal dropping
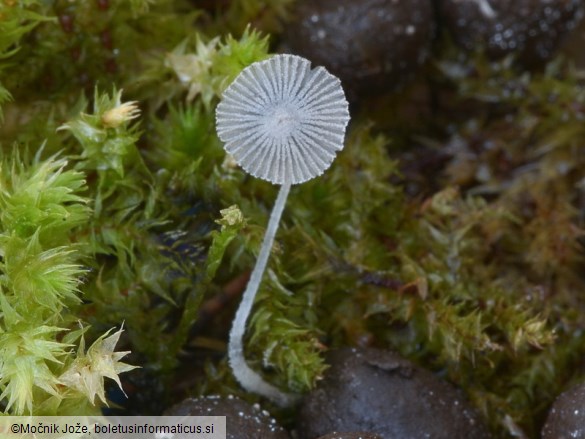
(566, 419)
(371, 45)
(380, 392)
(531, 29)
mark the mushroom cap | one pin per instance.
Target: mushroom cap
(283, 121)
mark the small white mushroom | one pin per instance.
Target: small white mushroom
(283, 122)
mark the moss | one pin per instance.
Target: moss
(475, 273)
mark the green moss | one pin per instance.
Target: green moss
(140, 218)
(40, 276)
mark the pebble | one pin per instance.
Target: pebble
(532, 29)
(244, 421)
(566, 419)
(378, 391)
(373, 46)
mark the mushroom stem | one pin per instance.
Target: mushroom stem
(249, 379)
(486, 9)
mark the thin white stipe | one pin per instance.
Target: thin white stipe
(486, 9)
(250, 379)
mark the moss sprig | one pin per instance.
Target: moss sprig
(40, 277)
(205, 68)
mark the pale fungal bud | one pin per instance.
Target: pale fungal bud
(122, 113)
(283, 121)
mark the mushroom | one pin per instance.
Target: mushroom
(283, 122)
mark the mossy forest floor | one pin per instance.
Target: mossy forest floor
(449, 229)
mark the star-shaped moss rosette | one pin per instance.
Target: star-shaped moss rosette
(87, 372)
(282, 122)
